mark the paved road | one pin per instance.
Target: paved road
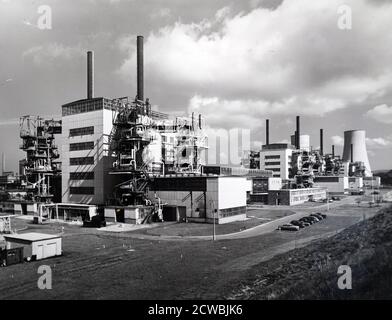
(258, 230)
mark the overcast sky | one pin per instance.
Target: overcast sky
(236, 62)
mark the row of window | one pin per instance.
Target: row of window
(273, 169)
(81, 146)
(273, 163)
(81, 175)
(81, 131)
(80, 161)
(272, 157)
(81, 190)
(88, 106)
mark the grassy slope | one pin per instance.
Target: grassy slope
(311, 272)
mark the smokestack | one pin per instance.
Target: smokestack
(333, 151)
(90, 74)
(298, 133)
(140, 69)
(200, 124)
(352, 152)
(267, 132)
(321, 141)
(2, 163)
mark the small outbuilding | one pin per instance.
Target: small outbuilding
(36, 246)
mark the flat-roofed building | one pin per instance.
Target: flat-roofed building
(86, 127)
(276, 157)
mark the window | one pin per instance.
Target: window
(272, 157)
(81, 131)
(81, 161)
(276, 163)
(81, 190)
(273, 169)
(81, 175)
(81, 146)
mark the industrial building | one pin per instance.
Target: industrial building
(276, 157)
(123, 160)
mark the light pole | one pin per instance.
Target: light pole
(213, 220)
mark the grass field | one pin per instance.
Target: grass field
(98, 265)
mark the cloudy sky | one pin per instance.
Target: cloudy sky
(236, 62)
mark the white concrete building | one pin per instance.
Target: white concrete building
(203, 198)
(277, 158)
(86, 126)
(333, 184)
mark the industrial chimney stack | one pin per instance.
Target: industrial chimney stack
(140, 63)
(90, 74)
(321, 142)
(267, 132)
(298, 134)
(333, 151)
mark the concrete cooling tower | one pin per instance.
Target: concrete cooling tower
(355, 148)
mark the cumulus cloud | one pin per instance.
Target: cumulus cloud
(376, 143)
(381, 113)
(337, 141)
(286, 60)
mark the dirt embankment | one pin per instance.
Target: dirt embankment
(311, 272)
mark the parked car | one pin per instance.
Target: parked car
(307, 220)
(334, 198)
(298, 223)
(322, 214)
(314, 218)
(317, 215)
(288, 227)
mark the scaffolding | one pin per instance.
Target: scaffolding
(39, 166)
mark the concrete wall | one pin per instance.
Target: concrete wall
(370, 182)
(226, 195)
(291, 197)
(102, 122)
(339, 186)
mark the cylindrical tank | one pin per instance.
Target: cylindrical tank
(356, 138)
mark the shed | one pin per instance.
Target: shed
(36, 246)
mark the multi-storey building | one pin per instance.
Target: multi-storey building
(277, 158)
(87, 125)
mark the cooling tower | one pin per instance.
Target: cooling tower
(356, 138)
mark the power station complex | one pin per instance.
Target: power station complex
(121, 160)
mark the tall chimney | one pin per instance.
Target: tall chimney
(333, 151)
(90, 74)
(267, 132)
(352, 152)
(2, 163)
(200, 120)
(321, 141)
(140, 69)
(298, 133)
